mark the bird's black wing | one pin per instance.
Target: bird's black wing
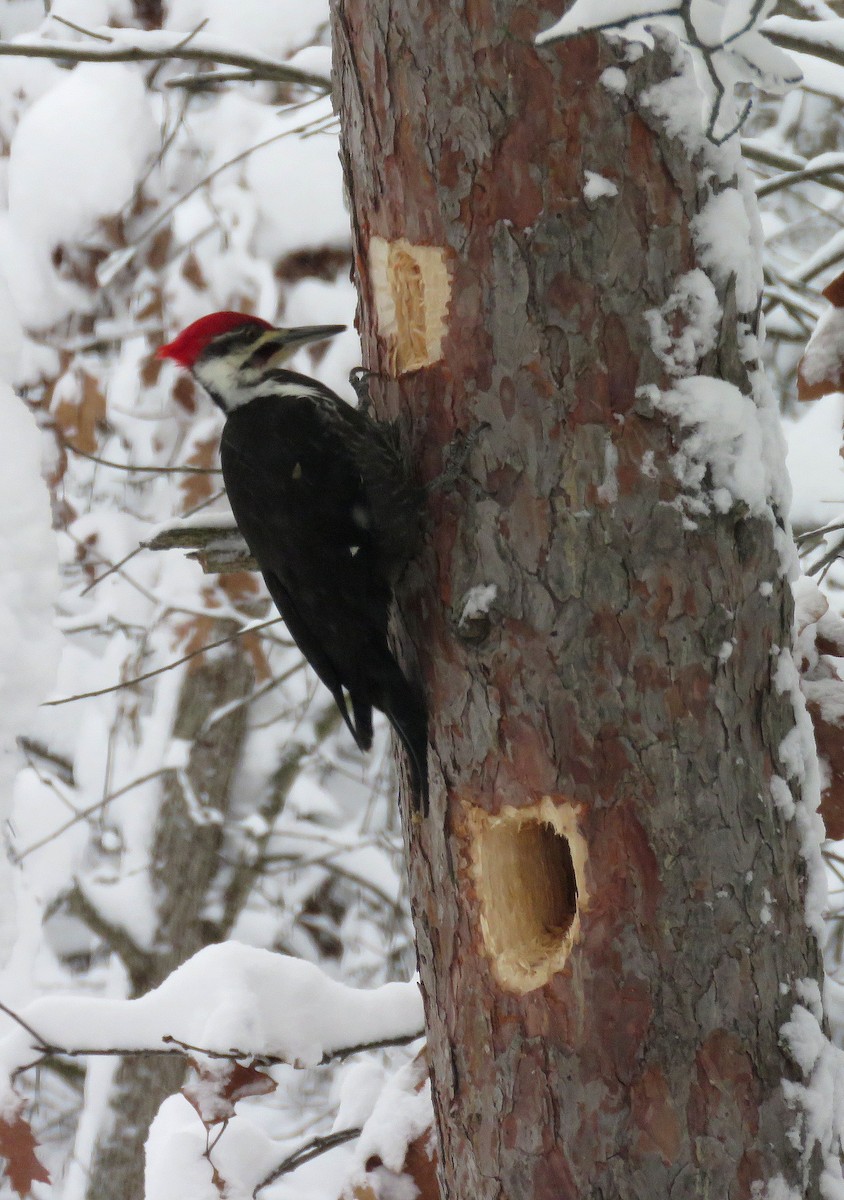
(299, 629)
(300, 488)
(299, 502)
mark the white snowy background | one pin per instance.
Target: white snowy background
(131, 204)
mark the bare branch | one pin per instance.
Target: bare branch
(312, 1149)
(61, 767)
(832, 175)
(121, 258)
(203, 80)
(112, 570)
(39, 1041)
(106, 462)
(247, 870)
(91, 33)
(116, 687)
(706, 52)
(84, 813)
(759, 153)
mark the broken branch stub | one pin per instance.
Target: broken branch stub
(217, 550)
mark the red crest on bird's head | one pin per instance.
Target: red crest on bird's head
(187, 346)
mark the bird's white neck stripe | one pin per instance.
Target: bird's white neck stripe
(224, 380)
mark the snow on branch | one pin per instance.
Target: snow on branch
(822, 39)
(230, 1001)
(217, 547)
(155, 45)
(726, 43)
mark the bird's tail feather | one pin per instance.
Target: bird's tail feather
(362, 713)
(404, 708)
(360, 729)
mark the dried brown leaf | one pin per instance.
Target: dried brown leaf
(80, 419)
(218, 1087)
(830, 357)
(17, 1146)
(192, 272)
(196, 488)
(834, 292)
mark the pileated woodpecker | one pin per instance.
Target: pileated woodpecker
(321, 496)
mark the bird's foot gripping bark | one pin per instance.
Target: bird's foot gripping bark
(456, 456)
(359, 378)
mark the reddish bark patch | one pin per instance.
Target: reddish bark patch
(724, 1090)
(526, 752)
(658, 1128)
(830, 742)
(552, 1179)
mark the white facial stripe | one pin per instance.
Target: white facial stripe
(288, 389)
(232, 384)
(221, 377)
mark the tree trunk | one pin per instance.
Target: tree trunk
(608, 904)
(148, 13)
(185, 864)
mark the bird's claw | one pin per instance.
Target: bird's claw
(359, 378)
(456, 457)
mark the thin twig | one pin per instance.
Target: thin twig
(84, 813)
(91, 33)
(706, 50)
(312, 1149)
(116, 687)
(113, 569)
(106, 462)
(174, 1046)
(208, 79)
(120, 258)
(20, 1021)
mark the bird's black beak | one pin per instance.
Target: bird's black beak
(308, 333)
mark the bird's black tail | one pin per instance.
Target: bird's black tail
(403, 705)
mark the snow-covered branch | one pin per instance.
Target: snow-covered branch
(725, 43)
(156, 46)
(824, 168)
(217, 548)
(229, 1002)
(821, 39)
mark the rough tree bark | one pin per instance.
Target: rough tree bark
(603, 992)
